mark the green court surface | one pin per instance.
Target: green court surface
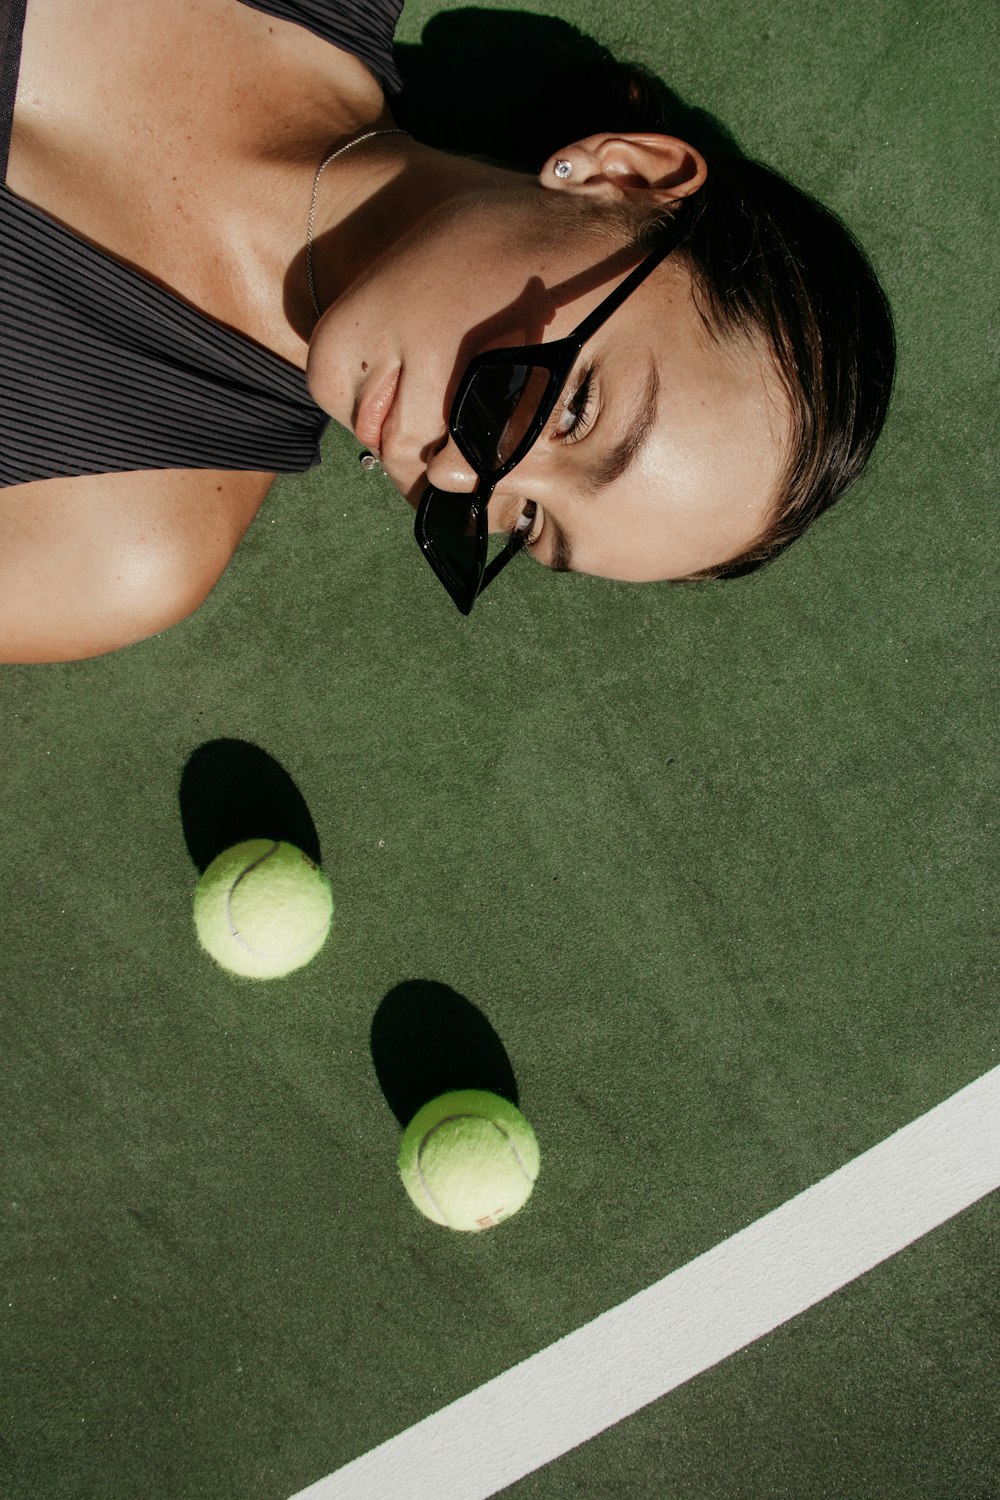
(703, 875)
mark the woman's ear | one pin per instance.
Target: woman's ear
(627, 166)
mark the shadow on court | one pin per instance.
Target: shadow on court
(426, 1039)
(230, 791)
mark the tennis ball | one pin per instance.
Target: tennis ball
(262, 909)
(469, 1159)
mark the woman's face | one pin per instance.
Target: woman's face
(665, 451)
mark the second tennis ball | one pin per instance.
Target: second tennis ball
(263, 909)
(469, 1159)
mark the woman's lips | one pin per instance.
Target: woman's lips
(373, 409)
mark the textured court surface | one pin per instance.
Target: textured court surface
(704, 874)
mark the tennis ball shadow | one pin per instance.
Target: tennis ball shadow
(426, 1039)
(230, 791)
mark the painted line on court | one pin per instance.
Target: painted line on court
(741, 1289)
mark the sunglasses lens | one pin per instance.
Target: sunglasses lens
(449, 536)
(494, 421)
(498, 410)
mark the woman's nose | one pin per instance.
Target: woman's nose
(448, 469)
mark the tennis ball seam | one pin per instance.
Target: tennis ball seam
(235, 932)
(450, 1120)
(261, 929)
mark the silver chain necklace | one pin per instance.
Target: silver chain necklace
(312, 207)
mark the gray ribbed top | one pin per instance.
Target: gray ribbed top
(101, 370)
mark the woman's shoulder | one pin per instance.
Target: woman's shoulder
(95, 562)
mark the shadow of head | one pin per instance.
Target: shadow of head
(516, 88)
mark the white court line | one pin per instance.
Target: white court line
(735, 1293)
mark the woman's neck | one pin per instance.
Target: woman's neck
(370, 200)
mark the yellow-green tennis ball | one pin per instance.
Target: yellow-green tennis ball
(469, 1159)
(262, 909)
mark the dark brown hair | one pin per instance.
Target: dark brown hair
(772, 264)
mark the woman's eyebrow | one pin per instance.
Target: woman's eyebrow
(562, 549)
(621, 458)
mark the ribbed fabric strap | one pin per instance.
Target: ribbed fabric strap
(11, 26)
(102, 370)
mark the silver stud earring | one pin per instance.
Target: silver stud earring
(369, 461)
(563, 168)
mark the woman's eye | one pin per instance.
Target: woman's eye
(576, 415)
(527, 527)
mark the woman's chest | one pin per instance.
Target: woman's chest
(166, 135)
